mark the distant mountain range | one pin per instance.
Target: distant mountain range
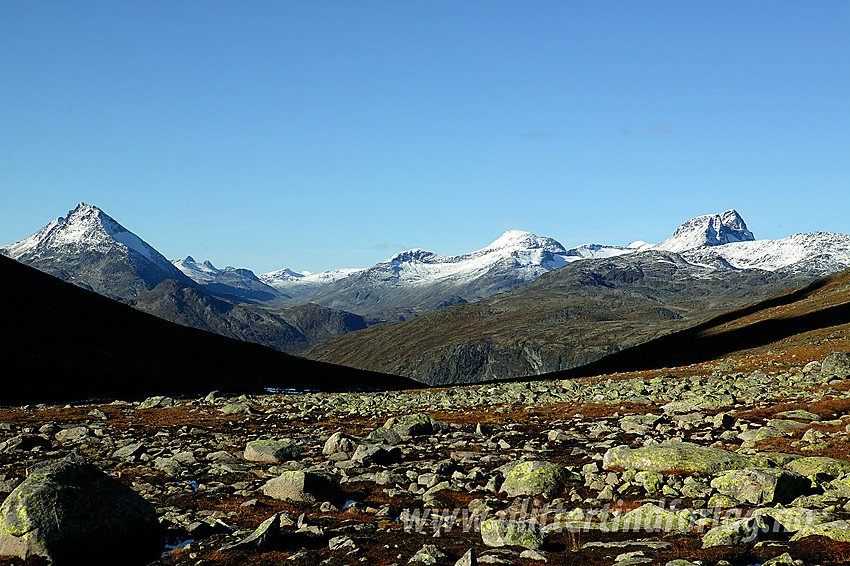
(522, 305)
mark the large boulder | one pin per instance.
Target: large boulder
(303, 487)
(271, 451)
(836, 530)
(836, 364)
(535, 478)
(679, 457)
(380, 454)
(339, 442)
(500, 532)
(72, 513)
(415, 425)
(813, 465)
(762, 486)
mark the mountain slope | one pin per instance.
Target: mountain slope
(417, 281)
(90, 249)
(291, 331)
(565, 318)
(797, 319)
(59, 343)
(230, 281)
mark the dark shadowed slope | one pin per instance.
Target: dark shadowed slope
(60, 342)
(822, 305)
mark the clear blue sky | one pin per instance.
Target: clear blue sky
(318, 134)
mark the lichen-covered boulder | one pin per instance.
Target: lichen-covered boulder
(303, 487)
(748, 530)
(679, 457)
(501, 532)
(415, 425)
(72, 513)
(651, 518)
(836, 364)
(271, 451)
(380, 454)
(812, 465)
(339, 442)
(836, 530)
(536, 478)
(761, 486)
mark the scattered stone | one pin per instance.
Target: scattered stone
(303, 487)
(498, 532)
(263, 536)
(271, 451)
(339, 442)
(760, 486)
(836, 364)
(468, 559)
(813, 465)
(158, 402)
(535, 478)
(429, 555)
(376, 454)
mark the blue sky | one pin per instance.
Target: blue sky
(315, 135)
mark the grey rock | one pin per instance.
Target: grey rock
(129, 453)
(527, 534)
(673, 457)
(468, 559)
(376, 454)
(761, 486)
(271, 451)
(415, 425)
(536, 478)
(73, 513)
(339, 442)
(26, 442)
(73, 433)
(303, 487)
(429, 555)
(263, 536)
(157, 402)
(836, 364)
(385, 436)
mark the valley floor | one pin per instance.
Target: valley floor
(187, 457)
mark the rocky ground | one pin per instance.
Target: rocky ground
(740, 461)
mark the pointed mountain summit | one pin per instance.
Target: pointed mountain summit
(92, 250)
(708, 230)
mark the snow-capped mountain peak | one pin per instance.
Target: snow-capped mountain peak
(708, 230)
(92, 249)
(85, 227)
(519, 239)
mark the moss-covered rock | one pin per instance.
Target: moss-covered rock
(500, 532)
(759, 486)
(271, 451)
(836, 530)
(73, 513)
(675, 457)
(812, 465)
(536, 478)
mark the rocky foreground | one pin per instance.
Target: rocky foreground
(711, 464)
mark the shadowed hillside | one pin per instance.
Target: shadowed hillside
(823, 304)
(60, 342)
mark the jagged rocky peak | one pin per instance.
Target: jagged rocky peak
(708, 230)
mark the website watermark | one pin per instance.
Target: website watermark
(660, 516)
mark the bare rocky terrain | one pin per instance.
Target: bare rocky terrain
(740, 460)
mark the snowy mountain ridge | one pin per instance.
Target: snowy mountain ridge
(90, 248)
